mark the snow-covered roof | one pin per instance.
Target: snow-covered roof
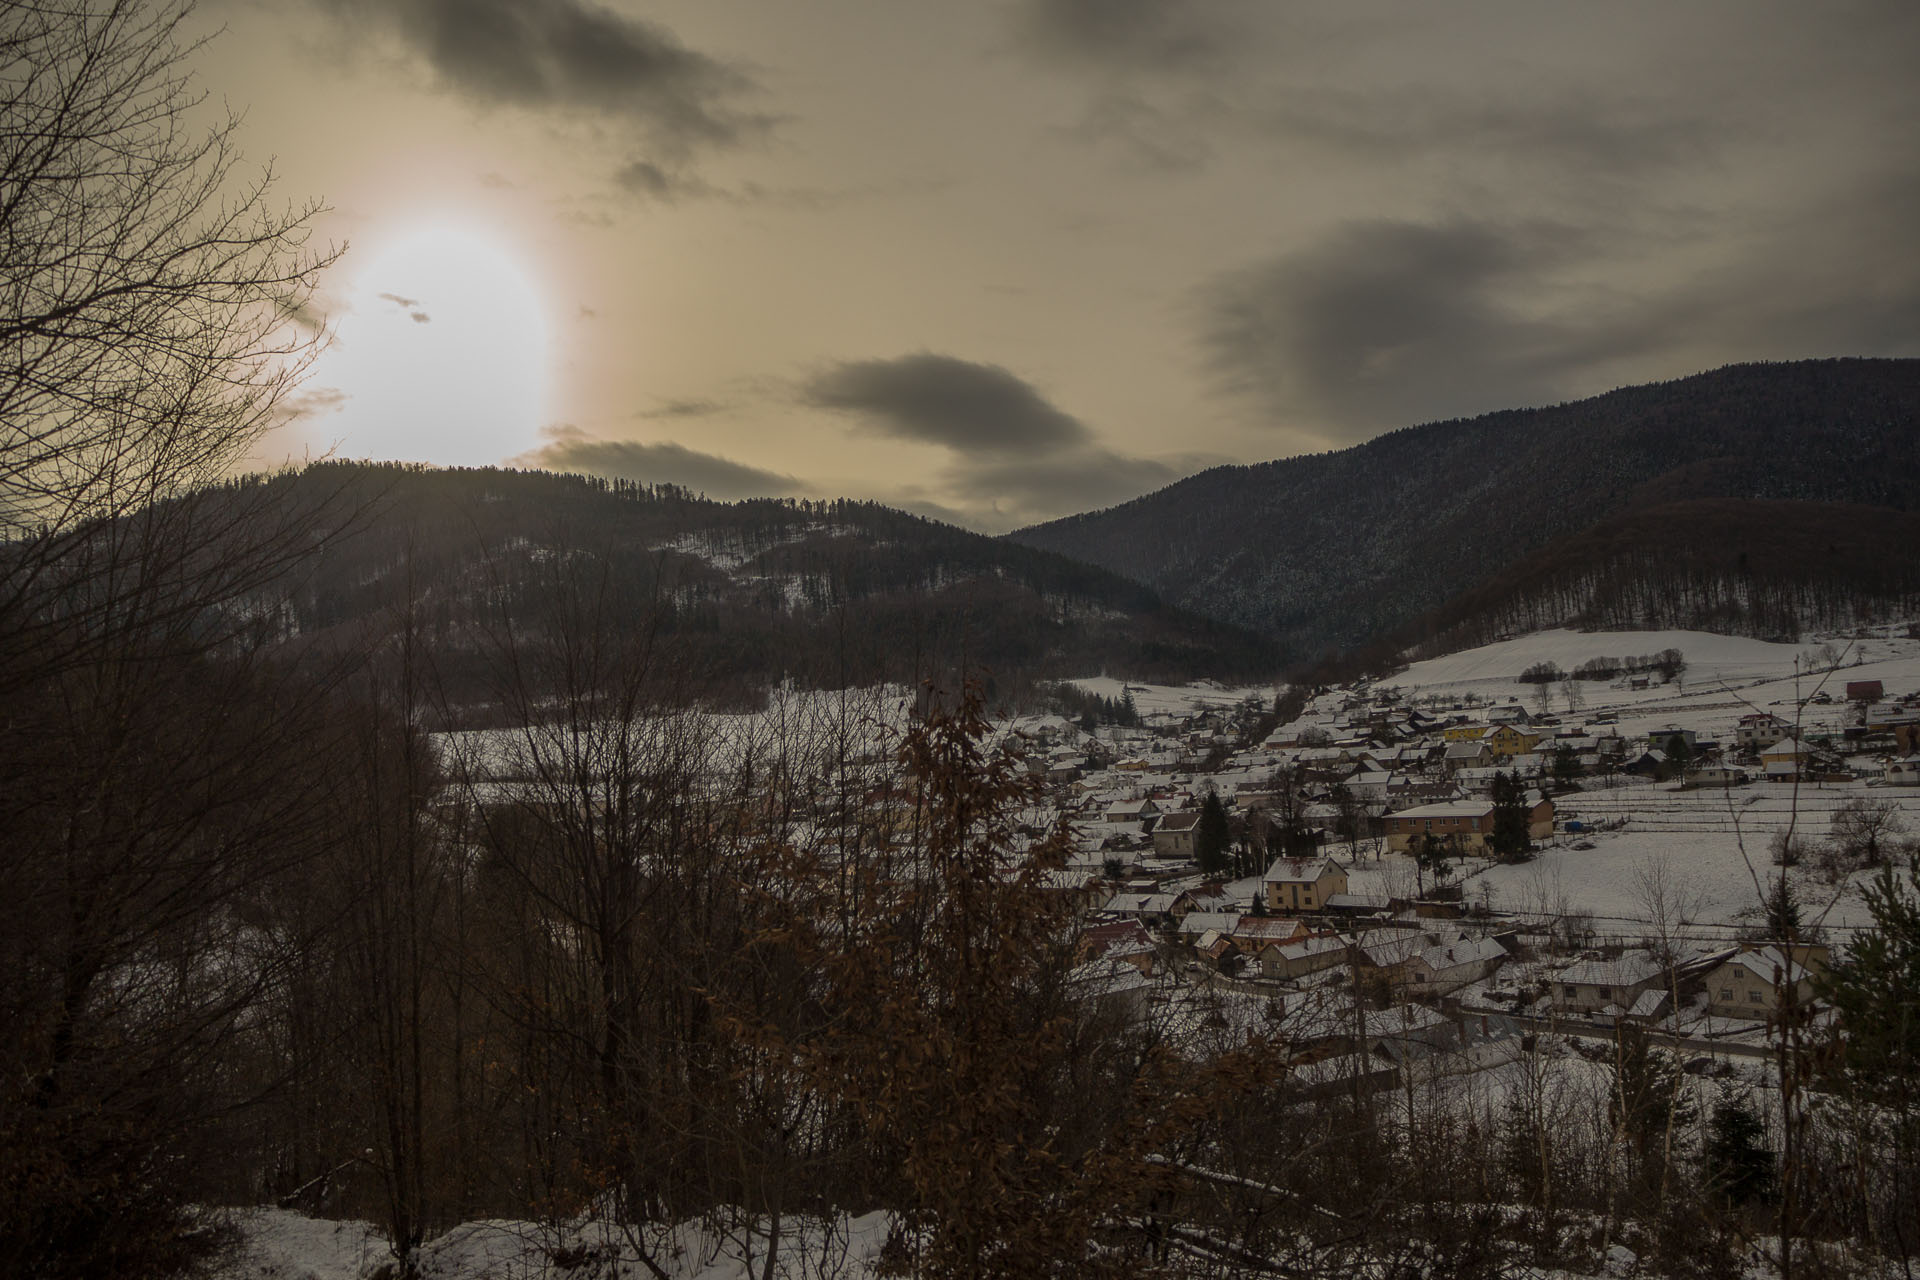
(1769, 964)
(1627, 970)
(1300, 870)
(1307, 948)
(1202, 921)
(1448, 809)
(1140, 903)
(1450, 955)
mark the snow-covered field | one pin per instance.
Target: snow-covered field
(277, 1244)
(1712, 845)
(1172, 699)
(1726, 677)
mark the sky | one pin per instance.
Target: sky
(1002, 261)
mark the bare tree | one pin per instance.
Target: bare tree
(151, 295)
(154, 789)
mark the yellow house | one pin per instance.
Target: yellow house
(1464, 732)
(1303, 884)
(1506, 742)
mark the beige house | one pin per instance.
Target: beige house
(1753, 982)
(1176, 834)
(1597, 986)
(1303, 884)
(1470, 822)
(1309, 955)
(1449, 966)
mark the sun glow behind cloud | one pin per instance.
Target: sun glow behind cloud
(440, 356)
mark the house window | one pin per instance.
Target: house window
(1753, 997)
(1606, 993)
(1572, 992)
(1726, 993)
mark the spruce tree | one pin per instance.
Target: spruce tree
(1212, 836)
(1735, 1159)
(1509, 841)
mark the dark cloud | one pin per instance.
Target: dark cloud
(412, 306)
(1015, 457)
(650, 181)
(941, 400)
(1152, 135)
(682, 409)
(570, 449)
(1573, 128)
(311, 402)
(1384, 323)
(1138, 35)
(1028, 489)
(569, 54)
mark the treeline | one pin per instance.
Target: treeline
(1771, 570)
(1669, 663)
(1089, 709)
(821, 594)
(1332, 551)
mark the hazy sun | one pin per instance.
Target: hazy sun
(441, 355)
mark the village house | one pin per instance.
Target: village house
(1303, 884)
(1902, 773)
(1132, 810)
(1381, 958)
(1256, 933)
(1196, 923)
(1446, 967)
(1786, 760)
(1176, 834)
(1113, 987)
(1066, 769)
(1470, 754)
(1716, 775)
(1759, 730)
(1752, 983)
(1148, 908)
(1123, 940)
(1672, 742)
(1470, 822)
(1505, 742)
(1308, 955)
(1606, 986)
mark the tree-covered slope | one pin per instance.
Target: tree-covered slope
(1334, 549)
(743, 594)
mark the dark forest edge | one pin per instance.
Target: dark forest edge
(754, 595)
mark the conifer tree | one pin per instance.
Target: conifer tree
(1212, 836)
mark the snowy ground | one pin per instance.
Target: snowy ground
(1173, 699)
(1726, 677)
(1713, 845)
(278, 1244)
(1710, 846)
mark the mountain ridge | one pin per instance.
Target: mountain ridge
(743, 595)
(1335, 550)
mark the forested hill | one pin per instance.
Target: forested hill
(1336, 549)
(739, 594)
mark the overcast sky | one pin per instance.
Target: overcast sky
(1003, 261)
